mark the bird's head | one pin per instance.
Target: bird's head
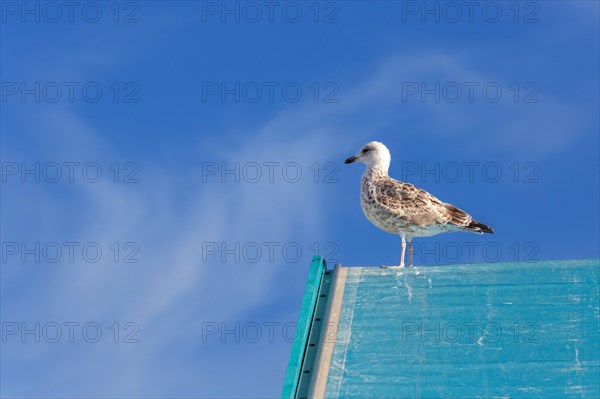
(374, 154)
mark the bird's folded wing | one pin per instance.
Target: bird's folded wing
(417, 206)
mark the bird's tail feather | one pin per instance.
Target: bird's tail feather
(484, 228)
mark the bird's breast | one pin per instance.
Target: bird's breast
(378, 214)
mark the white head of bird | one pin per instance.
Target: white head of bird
(374, 154)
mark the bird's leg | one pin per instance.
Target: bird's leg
(410, 252)
(403, 249)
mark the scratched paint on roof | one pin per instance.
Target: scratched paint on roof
(511, 330)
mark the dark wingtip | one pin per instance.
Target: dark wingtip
(483, 227)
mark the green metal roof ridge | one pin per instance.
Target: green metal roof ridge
(311, 292)
(329, 334)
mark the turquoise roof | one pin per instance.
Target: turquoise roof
(505, 330)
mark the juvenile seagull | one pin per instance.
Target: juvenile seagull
(403, 209)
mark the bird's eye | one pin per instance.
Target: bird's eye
(365, 150)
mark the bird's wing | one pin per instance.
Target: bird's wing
(417, 206)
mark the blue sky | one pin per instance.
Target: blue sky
(495, 113)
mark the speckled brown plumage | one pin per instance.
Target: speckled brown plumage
(401, 208)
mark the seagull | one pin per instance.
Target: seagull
(401, 208)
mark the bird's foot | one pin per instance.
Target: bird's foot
(392, 267)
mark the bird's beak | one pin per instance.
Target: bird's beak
(350, 160)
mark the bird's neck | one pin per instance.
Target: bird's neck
(375, 171)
